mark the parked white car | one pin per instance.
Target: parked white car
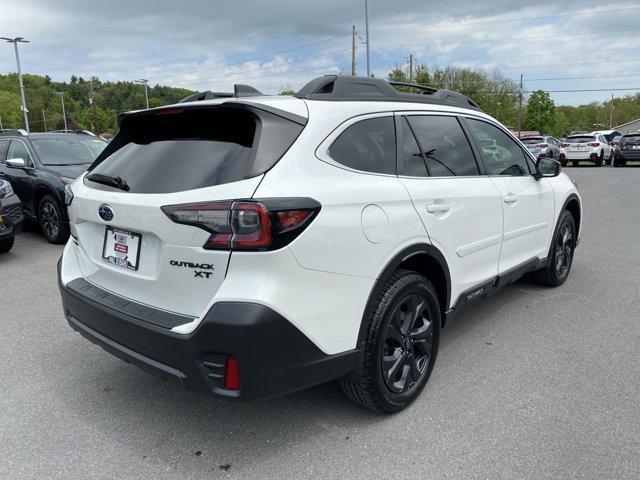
(252, 245)
(585, 148)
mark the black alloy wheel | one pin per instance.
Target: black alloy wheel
(558, 266)
(400, 345)
(407, 345)
(52, 221)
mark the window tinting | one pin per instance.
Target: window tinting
(3, 148)
(581, 139)
(17, 149)
(196, 148)
(412, 160)
(444, 145)
(67, 151)
(369, 146)
(502, 155)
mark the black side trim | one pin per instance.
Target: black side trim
(159, 318)
(488, 288)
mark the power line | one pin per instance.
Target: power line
(252, 59)
(584, 77)
(510, 39)
(519, 19)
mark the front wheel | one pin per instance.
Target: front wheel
(401, 345)
(559, 262)
(6, 244)
(51, 219)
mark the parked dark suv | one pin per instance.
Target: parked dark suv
(10, 216)
(627, 149)
(39, 166)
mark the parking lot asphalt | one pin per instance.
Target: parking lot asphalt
(533, 383)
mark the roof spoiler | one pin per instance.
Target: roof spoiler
(238, 91)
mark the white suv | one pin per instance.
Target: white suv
(591, 147)
(250, 245)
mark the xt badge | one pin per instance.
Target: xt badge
(199, 269)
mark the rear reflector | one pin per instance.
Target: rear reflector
(232, 374)
(594, 144)
(543, 145)
(246, 224)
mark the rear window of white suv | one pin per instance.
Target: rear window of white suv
(179, 149)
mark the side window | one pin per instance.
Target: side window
(369, 146)
(444, 145)
(412, 164)
(17, 149)
(3, 149)
(502, 155)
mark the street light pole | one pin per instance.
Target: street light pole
(144, 82)
(64, 114)
(366, 28)
(15, 42)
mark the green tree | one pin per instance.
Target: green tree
(541, 112)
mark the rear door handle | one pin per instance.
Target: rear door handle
(510, 198)
(438, 208)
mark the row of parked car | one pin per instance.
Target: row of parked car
(34, 171)
(599, 147)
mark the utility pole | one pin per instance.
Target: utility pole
(144, 82)
(353, 50)
(96, 128)
(411, 68)
(15, 42)
(44, 121)
(64, 115)
(520, 108)
(611, 114)
(366, 22)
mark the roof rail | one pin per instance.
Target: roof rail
(14, 131)
(238, 91)
(345, 88)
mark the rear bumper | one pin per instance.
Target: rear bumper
(628, 155)
(12, 217)
(586, 155)
(273, 356)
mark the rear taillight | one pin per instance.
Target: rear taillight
(564, 145)
(594, 144)
(543, 145)
(266, 224)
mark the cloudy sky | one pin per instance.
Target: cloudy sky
(209, 45)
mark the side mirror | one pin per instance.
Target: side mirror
(16, 163)
(547, 167)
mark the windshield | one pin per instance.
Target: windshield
(581, 139)
(532, 140)
(68, 151)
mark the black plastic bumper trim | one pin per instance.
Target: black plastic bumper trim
(156, 317)
(274, 357)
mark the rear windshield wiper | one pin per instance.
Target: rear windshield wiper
(116, 182)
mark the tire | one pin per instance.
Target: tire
(616, 163)
(623, 163)
(6, 244)
(575, 163)
(599, 160)
(400, 349)
(560, 259)
(52, 221)
(564, 162)
(608, 162)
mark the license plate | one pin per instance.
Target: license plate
(121, 248)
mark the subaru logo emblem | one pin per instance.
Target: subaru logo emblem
(105, 212)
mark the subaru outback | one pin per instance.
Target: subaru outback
(250, 245)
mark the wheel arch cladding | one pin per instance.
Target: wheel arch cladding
(424, 259)
(572, 204)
